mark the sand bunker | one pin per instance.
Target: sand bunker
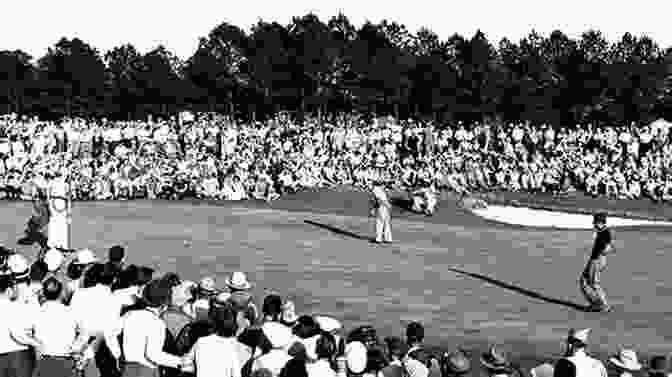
(551, 219)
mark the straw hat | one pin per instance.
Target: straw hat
(627, 360)
(580, 335)
(85, 256)
(53, 258)
(18, 265)
(328, 324)
(238, 281)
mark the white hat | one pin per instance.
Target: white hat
(85, 256)
(238, 281)
(18, 264)
(543, 370)
(328, 324)
(580, 335)
(53, 258)
(278, 334)
(355, 355)
(626, 359)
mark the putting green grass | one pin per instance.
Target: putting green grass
(314, 247)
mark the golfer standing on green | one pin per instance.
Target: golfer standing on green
(590, 278)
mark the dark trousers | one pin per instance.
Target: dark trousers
(139, 370)
(106, 363)
(56, 367)
(17, 364)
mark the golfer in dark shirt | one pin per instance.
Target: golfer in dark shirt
(590, 278)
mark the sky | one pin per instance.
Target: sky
(33, 26)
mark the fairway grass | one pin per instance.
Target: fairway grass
(322, 258)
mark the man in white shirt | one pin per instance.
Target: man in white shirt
(576, 362)
(58, 331)
(97, 311)
(382, 209)
(16, 359)
(144, 334)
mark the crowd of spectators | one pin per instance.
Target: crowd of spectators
(214, 157)
(79, 315)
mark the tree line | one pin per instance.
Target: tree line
(324, 68)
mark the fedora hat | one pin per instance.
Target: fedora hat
(456, 362)
(238, 280)
(627, 360)
(496, 360)
(85, 256)
(328, 324)
(580, 335)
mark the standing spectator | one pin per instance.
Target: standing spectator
(216, 355)
(576, 361)
(16, 358)
(280, 337)
(117, 257)
(144, 334)
(96, 309)
(58, 331)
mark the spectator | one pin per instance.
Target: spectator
(280, 337)
(117, 257)
(543, 370)
(16, 358)
(217, 354)
(272, 308)
(576, 361)
(56, 328)
(144, 334)
(325, 350)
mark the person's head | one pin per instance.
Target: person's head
(600, 221)
(224, 318)
(576, 340)
(52, 289)
(396, 348)
(6, 286)
(38, 271)
(272, 307)
(74, 271)
(415, 333)
(325, 347)
(117, 254)
(157, 294)
(375, 360)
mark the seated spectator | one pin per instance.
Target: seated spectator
(280, 337)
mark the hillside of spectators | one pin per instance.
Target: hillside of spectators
(217, 158)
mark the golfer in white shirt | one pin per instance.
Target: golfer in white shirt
(382, 209)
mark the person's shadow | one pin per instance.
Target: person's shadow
(343, 232)
(523, 291)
